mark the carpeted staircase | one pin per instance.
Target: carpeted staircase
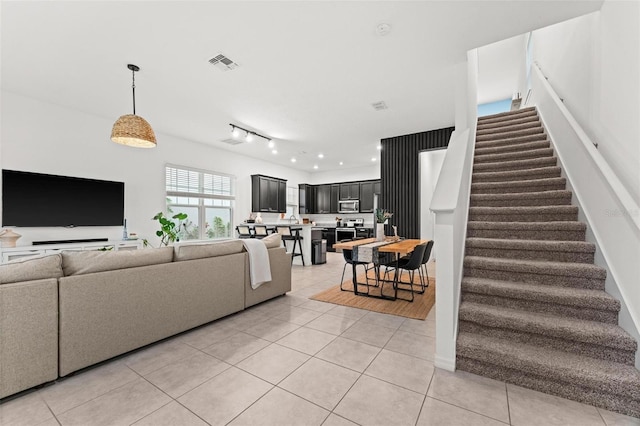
(534, 311)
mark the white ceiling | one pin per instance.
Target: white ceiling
(308, 72)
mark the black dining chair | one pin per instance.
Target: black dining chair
(410, 264)
(348, 260)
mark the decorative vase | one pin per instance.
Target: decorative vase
(380, 231)
(8, 238)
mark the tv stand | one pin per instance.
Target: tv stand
(12, 253)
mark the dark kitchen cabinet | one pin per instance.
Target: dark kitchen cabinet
(268, 194)
(350, 191)
(335, 197)
(282, 196)
(323, 199)
(306, 198)
(377, 187)
(366, 197)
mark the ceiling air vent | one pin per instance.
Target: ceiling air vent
(379, 106)
(223, 63)
(233, 141)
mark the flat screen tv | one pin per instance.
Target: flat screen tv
(35, 199)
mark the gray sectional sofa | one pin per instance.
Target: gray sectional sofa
(65, 312)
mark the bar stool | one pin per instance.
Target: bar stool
(244, 231)
(290, 233)
(260, 231)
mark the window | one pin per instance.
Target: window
(206, 197)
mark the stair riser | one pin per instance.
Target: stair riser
(506, 166)
(540, 340)
(516, 121)
(538, 137)
(547, 173)
(509, 135)
(512, 148)
(538, 217)
(544, 383)
(500, 188)
(527, 234)
(528, 277)
(552, 256)
(521, 202)
(508, 127)
(514, 156)
(608, 317)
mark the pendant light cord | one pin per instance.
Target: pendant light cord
(133, 89)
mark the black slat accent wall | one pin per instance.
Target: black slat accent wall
(400, 176)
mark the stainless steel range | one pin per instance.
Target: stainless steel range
(351, 229)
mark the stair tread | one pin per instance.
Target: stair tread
(541, 226)
(508, 126)
(516, 120)
(507, 114)
(561, 193)
(554, 365)
(570, 269)
(517, 173)
(516, 140)
(503, 149)
(584, 298)
(529, 163)
(548, 324)
(524, 210)
(528, 182)
(530, 153)
(565, 246)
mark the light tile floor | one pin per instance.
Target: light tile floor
(294, 361)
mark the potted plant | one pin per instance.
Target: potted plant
(381, 215)
(170, 231)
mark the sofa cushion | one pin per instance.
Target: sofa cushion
(87, 262)
(32, 268)
(200, 251)
(273, 240)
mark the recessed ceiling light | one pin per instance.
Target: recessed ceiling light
(315, 166)
(293, 159)
(275, 151)
(341, 163)
(379, 147)
(373, 158)
(320, 155)
(382, 29)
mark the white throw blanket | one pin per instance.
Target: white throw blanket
(259, 267)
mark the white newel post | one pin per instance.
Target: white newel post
(446, 298)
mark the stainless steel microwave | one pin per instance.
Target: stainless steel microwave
(348, 206)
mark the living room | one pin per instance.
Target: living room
(306, 79)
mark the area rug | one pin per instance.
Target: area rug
(418, 309)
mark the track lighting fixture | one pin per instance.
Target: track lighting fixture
(249, 135)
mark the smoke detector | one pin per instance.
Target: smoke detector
(382, 29)
(379, 106)
(223, 63)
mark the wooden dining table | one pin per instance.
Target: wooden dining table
(399, 248)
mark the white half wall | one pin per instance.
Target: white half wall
(430, 163)
(593, 63)
(46, 138)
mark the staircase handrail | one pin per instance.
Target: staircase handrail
(450, 203)
(612, 215)
(617, 187)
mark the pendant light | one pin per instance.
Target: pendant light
(131, 129)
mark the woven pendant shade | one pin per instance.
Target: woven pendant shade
(133, 130)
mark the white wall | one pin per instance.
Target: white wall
(430, 163)
(346, 175)
(46, 138)
(501, 69)
(593, 63)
